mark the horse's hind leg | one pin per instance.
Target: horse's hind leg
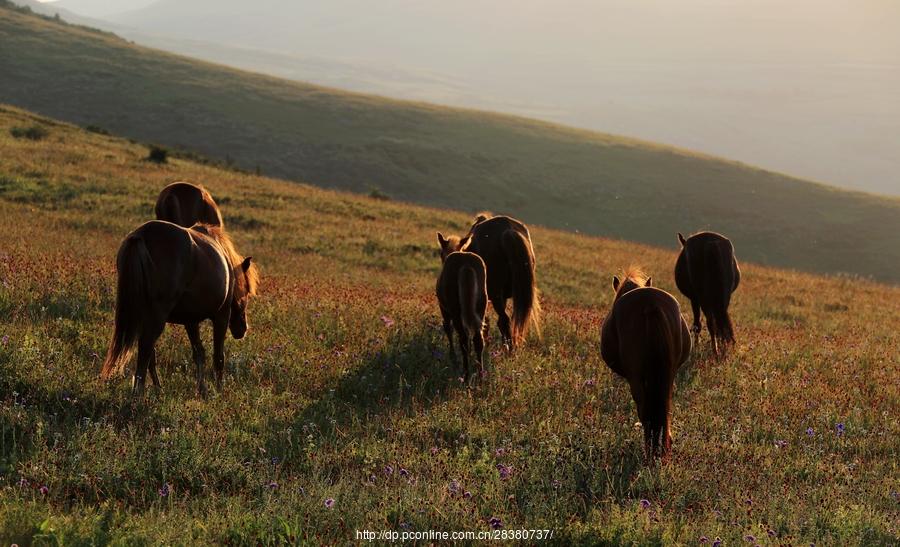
(152, 369)
(220, 329)
(463, 348)
(503, 321)
(146, 355)
(695, 329)
(478, 342)
(199, 355)
(448, 330)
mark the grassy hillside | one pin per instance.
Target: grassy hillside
(467, 160)
(342, 390)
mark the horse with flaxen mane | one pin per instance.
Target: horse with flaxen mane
(462, 295)
(171, 274)
(707, 273)
(186, 204)
(505, 246)
(645, 340)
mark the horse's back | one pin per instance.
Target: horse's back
(706, 267)
(186, 204)
(448, 281)
(647, 322)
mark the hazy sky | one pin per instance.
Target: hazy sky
(808, 87)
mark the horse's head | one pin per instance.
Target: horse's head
(632, 279)
(452, 244)
(246, 280)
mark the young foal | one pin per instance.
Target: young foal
(186, 204)
(505, 246)
(462, 295)
(645, 340)
(707, 273)
(170, 274)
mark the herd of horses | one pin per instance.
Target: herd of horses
(182, 268)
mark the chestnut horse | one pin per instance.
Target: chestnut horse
(171, 274)
(462, 295)
(186, 204)
(707, 273)
(505, 246)
(645, 340)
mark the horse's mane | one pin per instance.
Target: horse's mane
(481, 217)
(635, 275)
(234, 258)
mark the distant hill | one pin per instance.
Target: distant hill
(544, 173)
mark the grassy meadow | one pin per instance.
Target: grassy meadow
(552, 175)
(342, 389)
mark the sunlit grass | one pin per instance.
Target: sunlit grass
(342, 389)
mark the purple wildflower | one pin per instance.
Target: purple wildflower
(810, 431)
(164, 490)
(505, 471)
(499, 452)
(840, 429)
(404, 525)
(590, 382)
(453, 487)
(750, 538)
(495, 523)
(388, 322)
(434, 450)
(467, 494)
(44, 490)
(23, 483)
(556, 484)
(404, 472)
(772, 533)
(273, 485)
(704, 539)
(780, 444)
(717, 542)
(388, 470)
(5, 339)
(645, 504)
(329, 503)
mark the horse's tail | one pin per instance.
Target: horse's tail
(135, 267)
(169, 209)
(721, 282)
(468, 297)
(526, 302)
(658, 378)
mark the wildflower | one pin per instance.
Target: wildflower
(388, 470)
(495, 523)
(23, 482)
(434, 450)
(499, 452)
(329, 503)
(703, 539)
(645, 504)
(750, 538)
(717, 542)
(404, 472)
(780, 444)
(164, 490)
(467, 494)
(590, 382)
(388, 322)
(273, 485)
(772, 533)
(505, 471)
(4, 340)
(840, 429)
(556, 484)
(404, 525)
(810, 432)
(437, 354)
(453, 487)
(44, 490)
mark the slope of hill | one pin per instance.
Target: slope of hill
(549, 174)
(342, 390)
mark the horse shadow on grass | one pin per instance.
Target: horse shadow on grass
(410, 373)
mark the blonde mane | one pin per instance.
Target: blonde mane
(219, 234)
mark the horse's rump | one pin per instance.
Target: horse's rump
(526, 304)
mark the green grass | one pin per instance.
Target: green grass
(343, 376)
(552, 175)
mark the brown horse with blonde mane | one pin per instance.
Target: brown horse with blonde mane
(186, 204)
(171, 274)
(462, 295)
(504, 244)
(645, 340)
(707, 273)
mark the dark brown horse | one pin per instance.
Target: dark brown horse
(505, 246)
(170, 274)
(707, 273)
(186, 204)
(645, 340)
(462, 295)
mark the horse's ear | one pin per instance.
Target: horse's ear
(649, 282)
(245, 265)
(616, 282)
(681, 239)
(442, 240)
